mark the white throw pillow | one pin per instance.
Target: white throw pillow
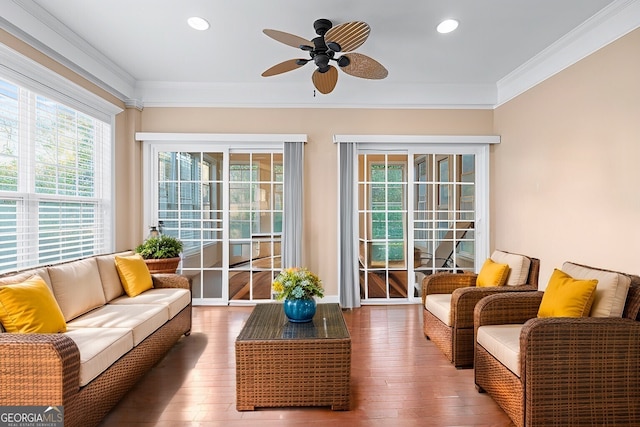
(611, 291)
(518, 266)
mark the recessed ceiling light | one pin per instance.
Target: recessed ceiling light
(198, 23)
(447, 26)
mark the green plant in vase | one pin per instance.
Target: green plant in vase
(161, 253)
(298, 287)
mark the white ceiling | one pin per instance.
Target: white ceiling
(143, 50)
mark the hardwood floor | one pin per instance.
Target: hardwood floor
(398, 378)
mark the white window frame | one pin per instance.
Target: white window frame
(34, 77)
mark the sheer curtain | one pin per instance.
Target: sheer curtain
(349, 286)
(292, 216)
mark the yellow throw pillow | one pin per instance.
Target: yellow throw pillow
(567, 297)
(492, 274)
(134, 274)
(29, 307)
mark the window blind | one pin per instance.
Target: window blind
(55, 181)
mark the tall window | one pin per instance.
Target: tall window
(55, 181)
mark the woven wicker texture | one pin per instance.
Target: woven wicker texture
(163, 265)
(279, 363)
(43, 370)
(575, 371)
(456, 341)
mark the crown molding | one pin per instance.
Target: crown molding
(30, 23)
(134, 103)
(357, 94)
(608, 25)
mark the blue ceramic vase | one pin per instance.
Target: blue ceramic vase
(299, 310)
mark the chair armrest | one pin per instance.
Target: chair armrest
(587, 362)
(38, 369)
(171, 281)
(507, 308)
(464, 301)
(446, 283)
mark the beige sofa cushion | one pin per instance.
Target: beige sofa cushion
(99, 349)
(503, 343)
(173, 299)
(11, 279)
(143, 320)
(109, 275)
(440, 306)
(611, 291)
(518, 266)
(77, 287)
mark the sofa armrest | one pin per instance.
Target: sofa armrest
(587, 362)
(464, 300)
(507, 308)
(446, 283)
(171, 281)
(38, 369)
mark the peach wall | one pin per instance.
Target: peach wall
(564, 180)
(320, 180)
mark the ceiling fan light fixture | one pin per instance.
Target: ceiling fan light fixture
(198, 23)
(343, 61)
(447, 26)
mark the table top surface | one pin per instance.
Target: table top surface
(268, 322)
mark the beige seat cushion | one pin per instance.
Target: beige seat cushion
(174, 299)
(109, 275)
(440, 306)
(77, 287)
(611, 291)
(143, 320)
(518, 266)
(503, 343)
(99, 348)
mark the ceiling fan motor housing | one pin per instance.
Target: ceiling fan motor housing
(322, 26)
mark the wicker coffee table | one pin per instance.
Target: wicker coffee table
(279, 363)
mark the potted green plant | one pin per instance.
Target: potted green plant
(161, 253)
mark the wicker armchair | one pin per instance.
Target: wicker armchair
(572, 371)
(455, 337)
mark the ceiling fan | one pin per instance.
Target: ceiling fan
(342, 39)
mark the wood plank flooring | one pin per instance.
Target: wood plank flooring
(398, 379)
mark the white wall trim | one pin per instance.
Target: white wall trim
(32, 24)
(25, 72)
(219, 137)
(608, 25)
(418, 139)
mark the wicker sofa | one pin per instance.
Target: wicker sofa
(562, 370)
(448, 300)
(111, 339)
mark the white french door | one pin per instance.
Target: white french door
(225, 202)
(421, 210)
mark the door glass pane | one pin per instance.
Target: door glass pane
(256, 198)
(383, 225)
(190, 207)
(444, 213)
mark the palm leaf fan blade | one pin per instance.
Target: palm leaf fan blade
(325, 82)
(283, 67)
(364, 67)
(349, 35)
(287, 38)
